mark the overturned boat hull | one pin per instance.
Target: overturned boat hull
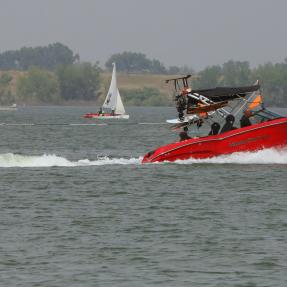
(256, 137)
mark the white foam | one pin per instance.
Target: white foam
(267, 156)
(16, 160)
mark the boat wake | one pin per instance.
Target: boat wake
(269, 156)
(16, 160)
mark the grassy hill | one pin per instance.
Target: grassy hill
(139, 81)
(136, 89)
(140, 89)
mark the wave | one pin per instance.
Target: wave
(17, 160)
(268, 156)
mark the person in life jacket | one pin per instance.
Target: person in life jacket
(215, 127)
(181, 102)
(245, 119)
(228, 126)
(183, 134)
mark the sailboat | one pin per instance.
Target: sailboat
(113, 107)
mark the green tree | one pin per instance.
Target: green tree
(79, 81)
(38, 85)
(210, 77)
(273, 79)
(5, 79)
(156, 67)
(129, 62)
(144, 97)
(48, 57)
(6, 96)
(230, 73)
(135, 63)
(236, 73)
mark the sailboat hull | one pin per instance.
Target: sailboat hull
(106, 116)
(271, 134)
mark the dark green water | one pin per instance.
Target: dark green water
(78, 209)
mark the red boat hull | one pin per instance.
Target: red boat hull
(256, 137)
(91, 115)
(106, 116)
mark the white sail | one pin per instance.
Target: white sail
(119, 105)
(113, 99)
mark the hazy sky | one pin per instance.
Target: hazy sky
(196, 33)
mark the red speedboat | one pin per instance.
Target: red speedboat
(269, 134)
(270, 129)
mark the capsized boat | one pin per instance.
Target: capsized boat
(113, 107)
(269, 129)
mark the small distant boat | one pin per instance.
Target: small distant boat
(9, 108)
(113, 107)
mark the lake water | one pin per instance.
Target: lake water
(78, 209)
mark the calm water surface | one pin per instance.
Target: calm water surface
(78, 209)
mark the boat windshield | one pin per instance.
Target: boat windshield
(267, 115)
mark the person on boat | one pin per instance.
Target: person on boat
(215, 127)
(181, 105)
(228, 126)
(183, 135)
(245, 121)
(199, 123)
(113, 112)
(100, 111)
